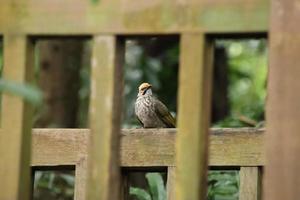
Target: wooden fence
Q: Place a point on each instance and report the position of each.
(142, 149)
(106, 23)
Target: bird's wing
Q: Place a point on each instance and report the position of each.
(135, 111)
(140, 121)
(163, 113)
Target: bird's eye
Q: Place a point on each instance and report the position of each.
(144, 91)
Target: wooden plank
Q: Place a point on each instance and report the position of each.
(194, 115)
(15, 140)
(79, 17)
(249, 183)
(282, 177)
(105, 114)
(54, 147)
(237, 147)
(58, 146)
(171, 183)
(148, 147)
(80, 179)
(228, 147)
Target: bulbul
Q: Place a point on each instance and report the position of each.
(151, 112)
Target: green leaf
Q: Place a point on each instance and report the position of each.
(139, 193)
(157, 187)
(69, 178)
(28, 92)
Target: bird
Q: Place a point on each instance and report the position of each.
(150, 111)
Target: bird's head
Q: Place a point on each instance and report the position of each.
(145, 88)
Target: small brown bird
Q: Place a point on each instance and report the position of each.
(150, 111)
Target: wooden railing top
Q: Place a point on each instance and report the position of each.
(148, 147)
(80, 17)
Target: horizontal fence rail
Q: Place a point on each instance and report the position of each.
(148, 147)
(126, 16)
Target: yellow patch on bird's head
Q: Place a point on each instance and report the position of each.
(144, 86)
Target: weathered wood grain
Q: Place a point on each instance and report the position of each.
(282, 176)
(148, 147)
(80, 179)
(250, 183)
(59, 146)
(193, 117)
(15, 139)
(63, 147)
(228, 147)
(79, 17)
(105, 109)
(237, 147)
(171, 183)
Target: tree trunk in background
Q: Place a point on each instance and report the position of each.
(220, 100)
(60, 62)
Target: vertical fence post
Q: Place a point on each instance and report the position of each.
(80, 179)
(171, 183)
(282, 175)
(249, 183)
(105, 112)
(194, 116)
(15, 138)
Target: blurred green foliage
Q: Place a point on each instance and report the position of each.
(50, 185)
(145, 61)
(29, 92)
(84, 95)
(247, 62)
(223, 185)
(156, 189)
